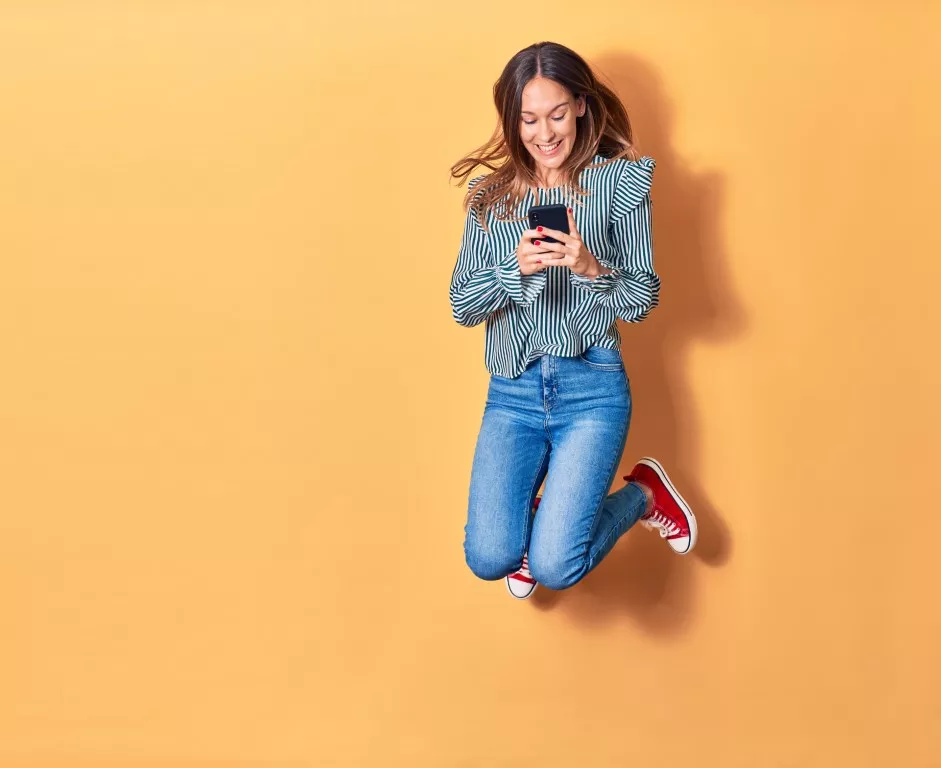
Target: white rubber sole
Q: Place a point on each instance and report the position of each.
(687, 512)
(518, 597)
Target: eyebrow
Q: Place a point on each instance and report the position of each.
(560, 104)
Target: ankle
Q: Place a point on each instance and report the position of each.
(648, 497)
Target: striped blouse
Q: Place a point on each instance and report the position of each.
(557, 311)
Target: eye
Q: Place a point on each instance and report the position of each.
(533, 122)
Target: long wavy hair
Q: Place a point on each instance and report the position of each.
(604, 129)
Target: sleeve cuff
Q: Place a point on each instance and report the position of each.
(602, 284)
(523, 289)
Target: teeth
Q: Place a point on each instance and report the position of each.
(548, 147)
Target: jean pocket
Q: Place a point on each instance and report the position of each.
(602, 358)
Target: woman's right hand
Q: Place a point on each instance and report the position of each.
(529, 254)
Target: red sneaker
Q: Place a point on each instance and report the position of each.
(522, 584)
(669, 514)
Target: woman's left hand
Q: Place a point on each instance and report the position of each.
(570, 251)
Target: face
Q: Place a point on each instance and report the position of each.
(547, 124)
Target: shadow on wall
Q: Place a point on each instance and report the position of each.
(641, 576)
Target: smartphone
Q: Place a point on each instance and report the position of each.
(554, 216)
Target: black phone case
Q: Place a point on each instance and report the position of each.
(554, 216)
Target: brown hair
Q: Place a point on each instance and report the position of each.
(604, 129)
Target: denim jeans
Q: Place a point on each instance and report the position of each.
(563, 420)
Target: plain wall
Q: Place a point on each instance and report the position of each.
(237, 419)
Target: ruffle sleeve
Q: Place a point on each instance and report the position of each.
(632, 288)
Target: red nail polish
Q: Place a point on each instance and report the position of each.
(539, 229)
(539, 261)
(570, 210)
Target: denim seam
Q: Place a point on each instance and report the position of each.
(605, 493)
(529, 511)
(602, 545)
(602, 366)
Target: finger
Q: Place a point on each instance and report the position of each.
(550, 232)
(533, 249)
(573, 230)
(529, 249)
(535, 253)
(552, 258)
(543, 245)
(548, 245)
(529, 234)
(557, 234)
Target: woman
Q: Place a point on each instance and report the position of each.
(559, 404)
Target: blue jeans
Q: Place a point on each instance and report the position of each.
(563, 420)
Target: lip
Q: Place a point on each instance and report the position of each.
(552, 153)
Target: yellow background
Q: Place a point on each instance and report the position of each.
(237, 419)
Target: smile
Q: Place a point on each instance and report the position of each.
(549, 149)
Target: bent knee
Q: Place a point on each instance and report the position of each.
(556, 572)
(490, 565)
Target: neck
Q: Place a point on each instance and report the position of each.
(548, 178)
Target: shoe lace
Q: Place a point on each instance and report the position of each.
(660, 523)
(524, 569)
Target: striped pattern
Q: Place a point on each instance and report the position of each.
(523, 574)
(557, 311)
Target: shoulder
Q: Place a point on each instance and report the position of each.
(624, 172)
(474, 192)
(476, 189)
(628, 182)
(475, 181)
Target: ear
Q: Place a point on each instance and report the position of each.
(580, 105)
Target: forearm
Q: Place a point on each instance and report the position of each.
(631, 293)
(478, 293)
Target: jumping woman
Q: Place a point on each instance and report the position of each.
(559, 402)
